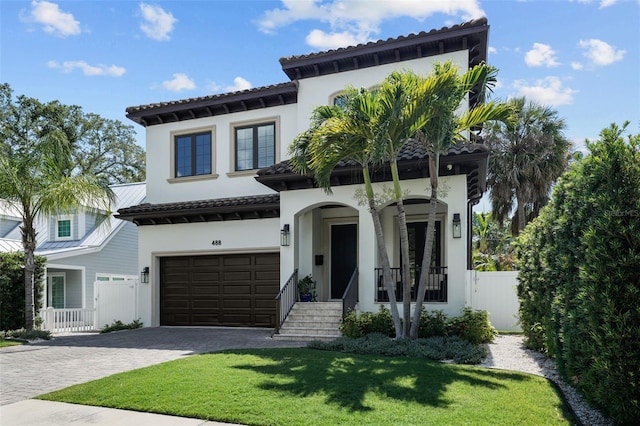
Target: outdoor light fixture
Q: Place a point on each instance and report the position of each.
(284, 235)
(144, 275)
(457, 226)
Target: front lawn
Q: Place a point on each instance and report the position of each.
(4, 343)
(305, 386)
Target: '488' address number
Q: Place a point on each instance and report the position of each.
(216, 243)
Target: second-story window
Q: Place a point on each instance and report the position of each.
(63, 228)
(193, 154)
(255, 146)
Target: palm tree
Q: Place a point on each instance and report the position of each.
(527, 156)
(441, 93)
(36, 163)
(346, 132)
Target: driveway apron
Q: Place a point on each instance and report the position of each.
(30, 370)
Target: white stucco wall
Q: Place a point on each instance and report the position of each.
(309, 231)
(258, 235)
(159, 141)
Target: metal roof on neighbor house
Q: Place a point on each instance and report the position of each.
(7, 245)
(125, 195)
(472, 35)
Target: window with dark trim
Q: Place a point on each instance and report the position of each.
(255, 146)
(193, 154)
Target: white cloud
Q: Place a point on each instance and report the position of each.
(607, 3)
(541, 55)
(577, 65)
(157, 23)
(548, 91)
(355, 22)
(89, 70)
(53, 20)
(492, 49)
(603, 3)
(321, 40)
(600, 52)
(179, 83)
(239, 84)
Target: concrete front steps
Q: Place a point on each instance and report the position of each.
(309, 321)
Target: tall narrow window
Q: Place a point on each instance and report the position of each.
(56, 291)
(193, 154)
(255, 146)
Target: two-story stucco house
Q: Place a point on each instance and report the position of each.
(227, 222)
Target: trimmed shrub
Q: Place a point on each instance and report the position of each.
(26, 335)
(119, 325)
(432, 324)
(12, 289)
(354, 325)
(472, 326)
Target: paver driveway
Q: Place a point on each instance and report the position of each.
(30, 370)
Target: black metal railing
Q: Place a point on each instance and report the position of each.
(436, 284)
(285, 299)
(350, 296)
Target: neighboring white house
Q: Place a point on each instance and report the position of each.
(227, 222)
(80, 248)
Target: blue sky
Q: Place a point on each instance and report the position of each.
(580, 57)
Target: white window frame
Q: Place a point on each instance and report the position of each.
(114, 277)
(57, 236)
(49, 295)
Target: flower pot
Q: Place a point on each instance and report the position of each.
(306, 297)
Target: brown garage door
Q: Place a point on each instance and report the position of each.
(232, 290)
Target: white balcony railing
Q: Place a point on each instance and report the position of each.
(68, 320)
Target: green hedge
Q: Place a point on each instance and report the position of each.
(579, 276)
(12, 289)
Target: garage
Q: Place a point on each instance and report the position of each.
(219, 290)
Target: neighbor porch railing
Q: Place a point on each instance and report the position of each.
(68, 320)
(436, 284)
(350, 296)
(286, 298)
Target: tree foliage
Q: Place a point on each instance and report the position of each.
(37, 143)
(528, 154)
(580, 275)
(492, 249)
(12, 302)
(372, 125)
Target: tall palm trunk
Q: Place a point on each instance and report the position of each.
(426, 258)
(29, 244)
(382, 250)
(404, 250)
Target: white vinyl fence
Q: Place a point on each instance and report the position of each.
(115, 300)
(68, 320)
(495, 292)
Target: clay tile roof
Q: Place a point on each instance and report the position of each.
(470, 35)
(207, 106)
(212, 210)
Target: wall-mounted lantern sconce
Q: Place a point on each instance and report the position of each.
(457, 226)
(144, 275)
(284, 235)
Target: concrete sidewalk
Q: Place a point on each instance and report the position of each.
(33, 412)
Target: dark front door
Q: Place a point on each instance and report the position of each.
(344, 257)
(417, 239)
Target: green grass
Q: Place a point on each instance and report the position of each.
(304, 386)
(4, 343)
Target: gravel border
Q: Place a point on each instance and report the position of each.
(507, 352)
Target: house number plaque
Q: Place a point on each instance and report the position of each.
(216, 243)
